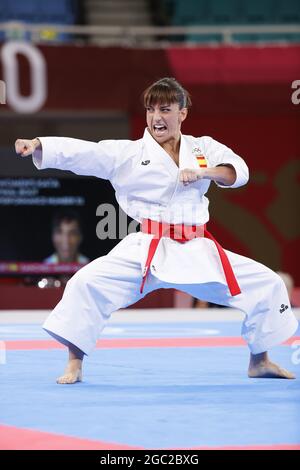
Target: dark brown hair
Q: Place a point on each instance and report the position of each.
(166, 91)
(65, 216)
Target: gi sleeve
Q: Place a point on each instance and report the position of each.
(218, 154)
(80, 156)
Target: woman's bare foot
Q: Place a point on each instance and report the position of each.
(260, 366)
(73, 372)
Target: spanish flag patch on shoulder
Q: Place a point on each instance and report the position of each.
(201, 161)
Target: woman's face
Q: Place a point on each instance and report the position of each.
(164, 121)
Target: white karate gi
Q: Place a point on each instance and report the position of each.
(146, 181)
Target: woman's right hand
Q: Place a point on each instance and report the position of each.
(25, 147)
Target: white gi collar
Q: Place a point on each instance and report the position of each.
(156, 150)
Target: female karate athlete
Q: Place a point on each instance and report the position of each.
(161, 180)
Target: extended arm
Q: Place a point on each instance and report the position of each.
(79, 156)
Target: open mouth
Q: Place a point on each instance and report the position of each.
(159, 129)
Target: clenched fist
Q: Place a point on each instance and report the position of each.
(25, 147)
(190, 175)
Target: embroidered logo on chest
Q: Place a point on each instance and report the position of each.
(201, 160)
(145, 162)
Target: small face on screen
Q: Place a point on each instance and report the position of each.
(66, 239)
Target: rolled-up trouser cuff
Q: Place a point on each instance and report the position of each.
(67, 340)
(276, 338)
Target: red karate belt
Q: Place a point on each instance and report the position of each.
(182, 234)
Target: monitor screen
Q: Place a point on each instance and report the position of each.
(52, 221)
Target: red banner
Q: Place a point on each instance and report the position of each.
(94, 78)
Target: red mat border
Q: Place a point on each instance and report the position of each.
(15, 438)
(221, 341)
